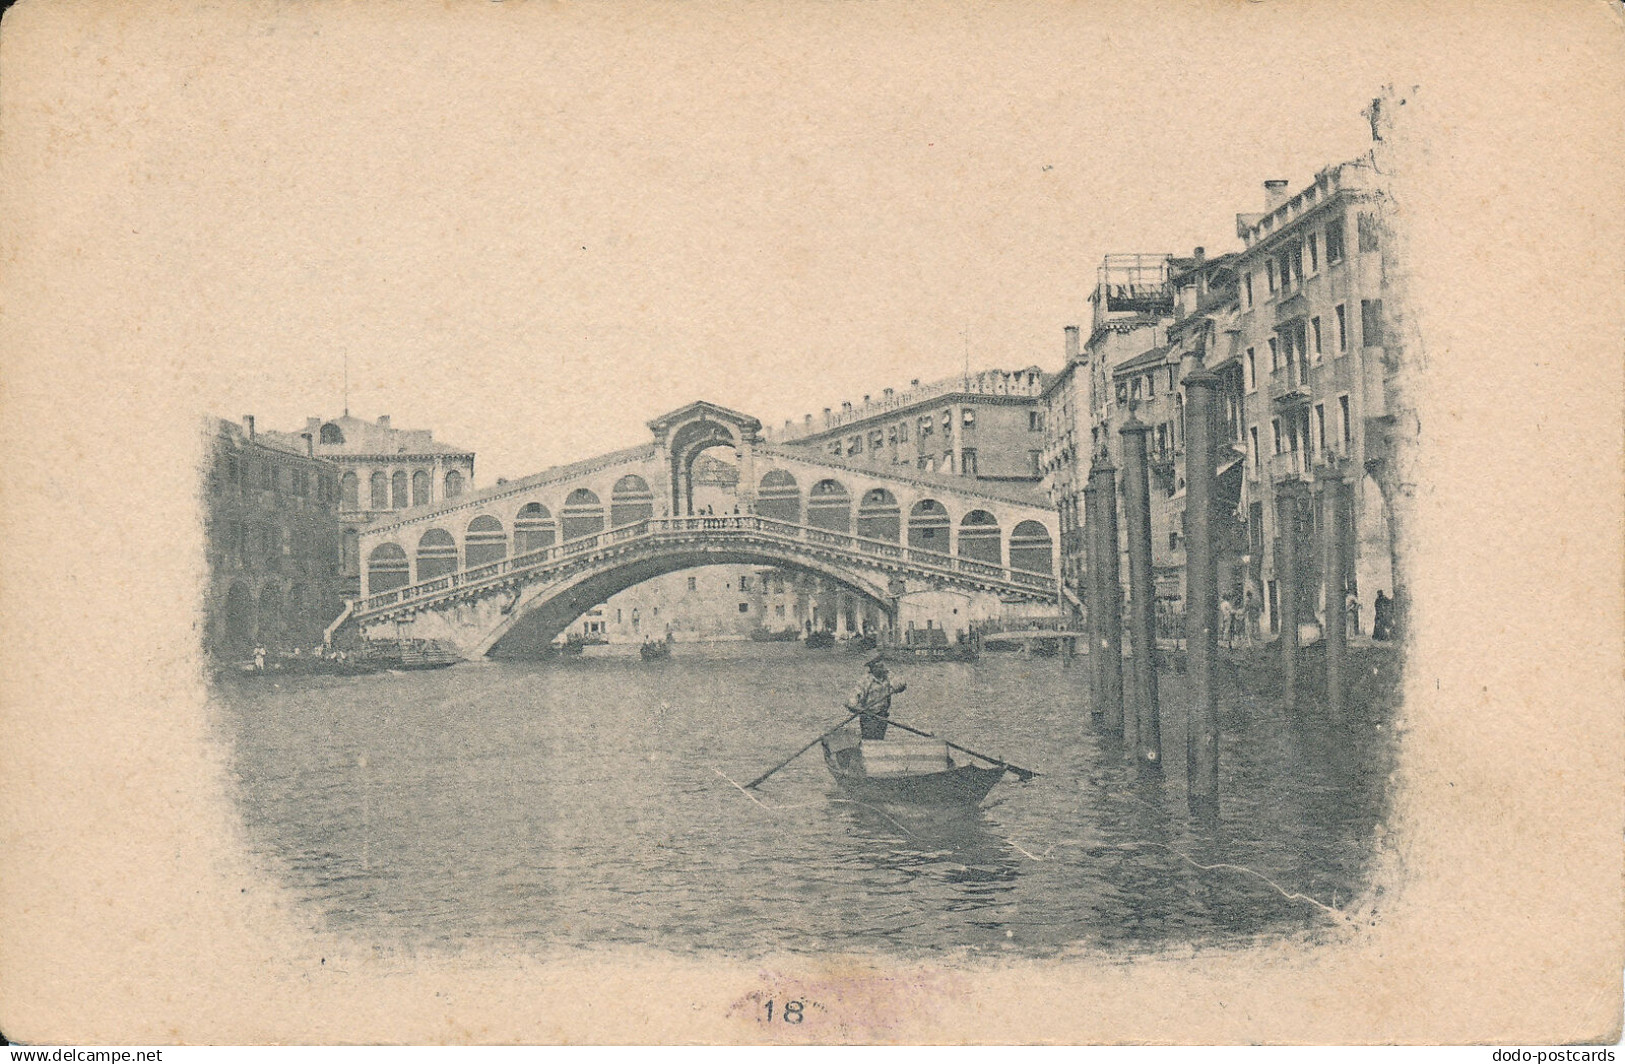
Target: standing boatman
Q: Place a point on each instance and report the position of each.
(873, 697)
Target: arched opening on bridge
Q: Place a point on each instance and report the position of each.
(350, 492)
(485, 542)
(238, 634)
(979, 537)
(533, 529)
(687, 444)
(387, 568)
(829, 506)
(583, 514)
(454, 484)
(630, 501)
(421, 494)
(879, 516)
(779, 497)
(380, 492)
(437, 554)
(1030, 548)
(928, 526)
(397, 491)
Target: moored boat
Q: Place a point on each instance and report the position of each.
(652, 651)
(918, 772)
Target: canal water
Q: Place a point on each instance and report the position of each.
(594, 800)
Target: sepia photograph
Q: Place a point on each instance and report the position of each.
(812, 523)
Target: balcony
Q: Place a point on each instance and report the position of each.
(1288, 393)
(1286, 465)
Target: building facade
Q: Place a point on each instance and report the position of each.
(988, 427)
(1317, 352)
(272, 532)
(382, 470)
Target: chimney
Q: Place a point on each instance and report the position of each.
(887, 393)
(248, 425)
(1071, 344)
(866, 400)
(310, 444)
(807, 419)
(915, 383)
(1201, 255)
(383, 421)
(1274, 194)
(826, 415)
(846, 407)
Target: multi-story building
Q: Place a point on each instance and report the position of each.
(1317, 354)
(988, 426)
(1066, 457)
(272, 530)
(382, 469)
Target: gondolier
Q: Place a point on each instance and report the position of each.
(873, 698)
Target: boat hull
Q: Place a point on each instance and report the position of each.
(957, 787)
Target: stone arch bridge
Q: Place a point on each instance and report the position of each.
(534, 554)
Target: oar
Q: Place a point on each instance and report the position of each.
(816, 739)
(1024, 774)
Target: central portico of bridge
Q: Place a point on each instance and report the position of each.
(543, 550)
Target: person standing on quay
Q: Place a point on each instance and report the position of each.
(873, 698)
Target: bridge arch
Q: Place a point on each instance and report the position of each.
(879, 516)
(437, 554)
(486, 541)
(387, 568)
(630, 501)
(1031, 548)
(533, 528)
(928, 526)
(687, 442)
(583, 514)
(545, 610)
(779, 497)
(829, 506)
(980, 538)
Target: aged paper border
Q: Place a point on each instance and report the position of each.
(128, 913)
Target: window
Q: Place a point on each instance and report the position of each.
(420, 488)
(1314, 325)
(1343, 416)
(1035, 421)
(854, 445)
(1150, 385)
(778, 611)
(1366, 229)
(835, 448)
(1371, 323)
(1122, 392)
(332, 434)
(1314, 253)
(1035, 461)
(617, 616)
(1247, 288)
(454, 484)
(1258, 457)
(968, 462)
(1173, 541)
(692, 582)
(380, 491)
(947, 461)
(744, 607)
(947, 422)
(1269, 274)
(891, 435)
(744, 583)
(1320, 425)
(1334, 242)
(925, 426)
(968, 418)
(1134, 389)
(923, 463)
(902, 432)
(1275, 426)
(398, 490)
(874, 440)
(1275, 354)
(1342, 329)
(1252, 369)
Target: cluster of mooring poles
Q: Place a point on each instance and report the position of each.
(1137, 719)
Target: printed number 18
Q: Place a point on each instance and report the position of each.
(792, 1012)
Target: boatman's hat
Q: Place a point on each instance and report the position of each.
(876, 660)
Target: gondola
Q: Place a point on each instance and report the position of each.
(917, 772)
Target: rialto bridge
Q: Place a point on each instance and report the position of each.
(541, 551)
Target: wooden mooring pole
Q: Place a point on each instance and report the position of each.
(1201, 593)
(1091, 602)
(1103, 478)
(1142, 594)
(1334, 526)
(1288, 580)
